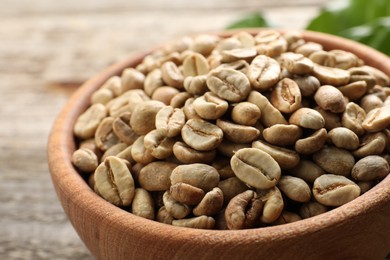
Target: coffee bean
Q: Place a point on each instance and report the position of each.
(334, 190)
(372, 167)
(87, 123)
(229, 84)
(255, 168)
(201, 135)
(263, 72)
(334, 160)
(114, 181)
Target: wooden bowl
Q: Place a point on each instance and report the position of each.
(359, 229)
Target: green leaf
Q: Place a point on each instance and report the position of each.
(251, 20)
(375, 34)
(365, 21)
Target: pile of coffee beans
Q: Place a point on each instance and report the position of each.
(237, 132)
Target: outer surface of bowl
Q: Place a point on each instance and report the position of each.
(357, 230)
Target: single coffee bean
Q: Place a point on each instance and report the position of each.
(243, 210)
(312, 143)
(246, 39)
(160, 146)
(122, 129)
(342, 137)
(172, 75)
(170, 121)
(286, 158)
(210, 106)
(142, 204)
(186, 154)
(176, 209)
(331, 76)
(186, 193)
(245, 113)
(307, 171)
(370, 168)
(273, 204)
(308, 85)
(282, 135)
(246, 54)
(102, 96)
(263, 72)
(377, 119)
(85, 160)
(238, 133)
(132, 79)
(307, 118)
(143, 117)
(202, 222)
(196, 85)
(179, 99)
(270, 115)
(353, 118)
(87, 123)
(201, 135)
(335, 160)
(354, 90)
(114, 181)
(199, 175)
(330, 98)
(204, 43)
(155, 176)
(371, 144)
(229, 84)
(231, 187)
(286, 96)
(211, 203)
(294, 188)
(153, 81)
(105, 136)
(311, 209)
(296, 63)
(334, 190)
(255, 168)
(195, 64)
(165, 94)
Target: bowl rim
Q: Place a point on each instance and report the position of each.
(71, 186)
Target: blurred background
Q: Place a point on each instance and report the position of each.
(47, 49)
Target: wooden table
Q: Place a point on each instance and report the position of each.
(47, 49)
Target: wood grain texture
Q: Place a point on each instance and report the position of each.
(47, 49)
(357, 230)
